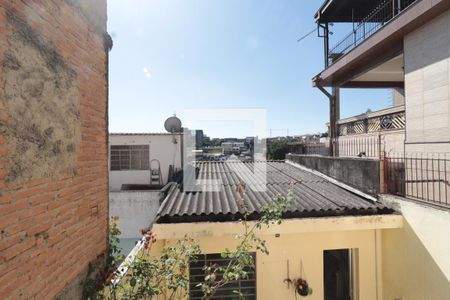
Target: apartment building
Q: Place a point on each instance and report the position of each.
(53, 146)
(403, 45)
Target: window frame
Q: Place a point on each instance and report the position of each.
(129, 157)
(204, 259)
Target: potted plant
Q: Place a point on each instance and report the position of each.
(302, 287)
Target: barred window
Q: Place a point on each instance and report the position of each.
(129, 157)
(246, 286)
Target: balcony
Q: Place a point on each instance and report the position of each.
(374, 122)
(371, 54)
(384, 12)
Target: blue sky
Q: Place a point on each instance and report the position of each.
(172, 55)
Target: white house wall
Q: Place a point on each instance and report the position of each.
(161, 148)
(135, 209)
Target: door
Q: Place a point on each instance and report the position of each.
(337, 274)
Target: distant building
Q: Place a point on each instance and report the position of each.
(139, 169)
(233, 147)
(143, 158)
(199, 138)
(227, 147)
(249, 139)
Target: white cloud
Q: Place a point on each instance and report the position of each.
(147, 72)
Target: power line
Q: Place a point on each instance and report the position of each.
(306, 35)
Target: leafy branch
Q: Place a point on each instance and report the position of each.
(167, 273)
(241, 259)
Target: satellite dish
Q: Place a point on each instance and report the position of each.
(173, 124)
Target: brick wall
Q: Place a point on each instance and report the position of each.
(53, 145)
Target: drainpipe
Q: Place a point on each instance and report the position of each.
(334, 99)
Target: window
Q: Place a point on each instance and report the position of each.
(197, 274)
(337, 274)
(129, 157)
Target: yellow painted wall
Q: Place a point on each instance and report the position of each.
(416, 258)
(308, 248)
(300, 240)
(408, 269)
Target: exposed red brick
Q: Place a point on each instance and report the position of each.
(49, 233)
(5, 198)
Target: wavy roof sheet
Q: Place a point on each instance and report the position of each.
(314, 195)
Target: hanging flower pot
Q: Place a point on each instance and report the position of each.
(302, 287)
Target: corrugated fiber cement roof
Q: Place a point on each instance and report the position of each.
(314, 196)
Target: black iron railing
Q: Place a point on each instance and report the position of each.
(421, 177)
(385, 11)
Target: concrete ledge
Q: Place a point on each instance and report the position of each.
(289, 226)
(360, 173)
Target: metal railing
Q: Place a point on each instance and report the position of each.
(365, 146)
(392, 121)
(421, 177)
(385, 11)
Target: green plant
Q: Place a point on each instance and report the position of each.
(97, 279)
(166, 274)
(241, 260)
(148, 277)
(277, 149)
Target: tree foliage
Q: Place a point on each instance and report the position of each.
(166, 273)
(277, 150)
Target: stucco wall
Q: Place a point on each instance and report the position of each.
(427, 86)
(161, 148)
(416, 260)
(135, 209)
(307, 249)
(361, 173)
(300, 241)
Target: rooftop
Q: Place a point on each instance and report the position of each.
(144, 133)
(315, 196)
(344, 10)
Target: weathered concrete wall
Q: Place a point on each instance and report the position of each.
(53, 145)
(135, 209)
(416, 261)
(427, 87)
(360, 173)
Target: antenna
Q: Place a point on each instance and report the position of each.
(173, 124)
(306, 35)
